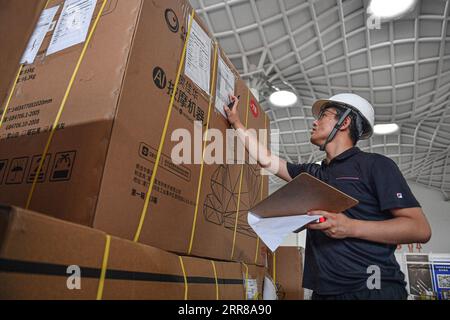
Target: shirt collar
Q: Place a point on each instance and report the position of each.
(344, 155)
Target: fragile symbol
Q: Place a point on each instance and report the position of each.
(159, 78)
(35, 166)
(63, 166)
(172, 20)
(3, 165)
(17, 171)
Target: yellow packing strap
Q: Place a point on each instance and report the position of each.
(63, 103)
(257, 249)
(200, 180)
(46, 4)
(262, 190)
(240, 182)
(101, 283)
(274, 267)
(246, 280)
(163, 136)
(13, 89)
(185, 278)
(215, 278)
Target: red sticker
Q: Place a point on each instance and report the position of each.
(254, 108)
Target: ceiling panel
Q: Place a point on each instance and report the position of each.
(319, 48)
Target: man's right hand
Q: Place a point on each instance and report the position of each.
(233, 114)
(264, 157)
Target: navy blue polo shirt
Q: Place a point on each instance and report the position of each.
(334, 266)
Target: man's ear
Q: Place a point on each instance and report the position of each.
(346, 124)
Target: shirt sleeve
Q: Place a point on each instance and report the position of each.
(391, 188)
(295, 169)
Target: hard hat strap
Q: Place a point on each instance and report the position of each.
(336, 128)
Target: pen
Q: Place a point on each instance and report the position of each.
(231, 105)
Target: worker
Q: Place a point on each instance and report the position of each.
(346, 253)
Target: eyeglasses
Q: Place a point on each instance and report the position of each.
(323, 112)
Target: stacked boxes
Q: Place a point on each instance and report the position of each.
(94, 111)
(286, 269)
(116, 121)
(45, 258)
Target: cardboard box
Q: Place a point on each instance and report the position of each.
(286, 269)
(254, 281)
(15, 36)
(101, 154)
(40, 257)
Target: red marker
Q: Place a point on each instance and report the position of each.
(322, 220)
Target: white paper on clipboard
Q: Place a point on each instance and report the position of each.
(274, 231)
(198, 57)
(225, 86)
(73, 25)
(285, 211)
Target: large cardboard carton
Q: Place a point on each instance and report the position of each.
(286, 269)
(102, 113)
(14, 36)
(254, 281)
(229, 192)
(46, 258)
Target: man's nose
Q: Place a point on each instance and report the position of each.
(316, 123)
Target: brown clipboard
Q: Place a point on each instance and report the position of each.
(303, 194)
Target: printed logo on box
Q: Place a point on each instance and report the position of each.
(254, 108)
(159, 78)
(172, 21)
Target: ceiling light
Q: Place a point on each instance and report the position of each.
(283, 98)
(390, 9)
(384, 129)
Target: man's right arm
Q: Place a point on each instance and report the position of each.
(256, 149)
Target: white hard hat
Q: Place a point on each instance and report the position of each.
(354, 102)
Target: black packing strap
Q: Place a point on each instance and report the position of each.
(50, 269)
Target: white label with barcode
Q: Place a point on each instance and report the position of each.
(38, 36)
(225, 86)
(252, 289)
(73, 25)
(198, 57)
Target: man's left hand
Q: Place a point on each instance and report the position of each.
(336, 226)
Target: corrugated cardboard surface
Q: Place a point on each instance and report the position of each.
(101, 159)
(36, 251)
(78, 150)
(14, 36)
(286, 268)
(256, 275)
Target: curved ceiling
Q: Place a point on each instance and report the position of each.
(319, 48)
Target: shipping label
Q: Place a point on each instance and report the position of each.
(73, 25)
(43, 26)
